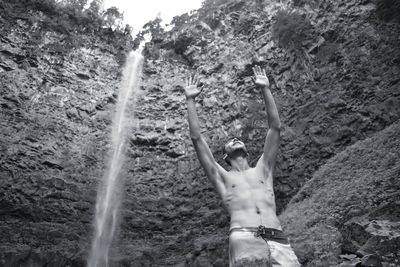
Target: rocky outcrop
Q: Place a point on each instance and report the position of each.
(373, 239)
(335, 88)
(350, 208)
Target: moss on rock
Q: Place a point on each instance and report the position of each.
(362, 178)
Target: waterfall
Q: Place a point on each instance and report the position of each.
(108, 200)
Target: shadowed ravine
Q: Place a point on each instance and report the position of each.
(108, 198)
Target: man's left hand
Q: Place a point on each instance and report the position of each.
(260, 77)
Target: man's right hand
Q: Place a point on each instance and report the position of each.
(191, 89)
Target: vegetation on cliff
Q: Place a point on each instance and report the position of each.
(351, 206)
(335, 80)
(78, 24)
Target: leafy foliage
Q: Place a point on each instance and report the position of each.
(211, 4)
(71, 19)
(64, 16)
(113, 18)
(212, 11)
(78, 4)
(154, 30)
(181, 20)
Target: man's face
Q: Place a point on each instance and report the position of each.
(234, 145)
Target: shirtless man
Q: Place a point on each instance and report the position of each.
(255, 237)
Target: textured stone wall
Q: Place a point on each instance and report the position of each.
(55, 117)
(56, 114)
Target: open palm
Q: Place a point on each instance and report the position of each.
(191, 89)
(260, 77)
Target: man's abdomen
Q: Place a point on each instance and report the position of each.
(251, 208)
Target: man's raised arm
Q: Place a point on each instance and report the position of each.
(204, 154)
(272, 140)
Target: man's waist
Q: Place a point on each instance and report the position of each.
(268, 234)
(249, 221)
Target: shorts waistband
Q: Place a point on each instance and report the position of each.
(270, 234)
(255, 229)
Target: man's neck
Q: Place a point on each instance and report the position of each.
(239, 164)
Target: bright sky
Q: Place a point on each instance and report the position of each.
(138, 12)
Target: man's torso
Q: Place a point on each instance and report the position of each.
(250, 199)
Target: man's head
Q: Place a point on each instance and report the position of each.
(234, 148)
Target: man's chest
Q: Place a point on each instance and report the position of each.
(247, 189)
(251, 179)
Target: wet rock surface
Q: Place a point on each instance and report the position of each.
(336, 87)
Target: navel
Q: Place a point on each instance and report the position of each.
(233, 186)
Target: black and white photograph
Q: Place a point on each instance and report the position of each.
(200, 133)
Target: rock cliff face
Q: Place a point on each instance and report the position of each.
(335, 80)
(56, 108)
(351, 206)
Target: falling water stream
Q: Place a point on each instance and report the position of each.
(108, 200)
